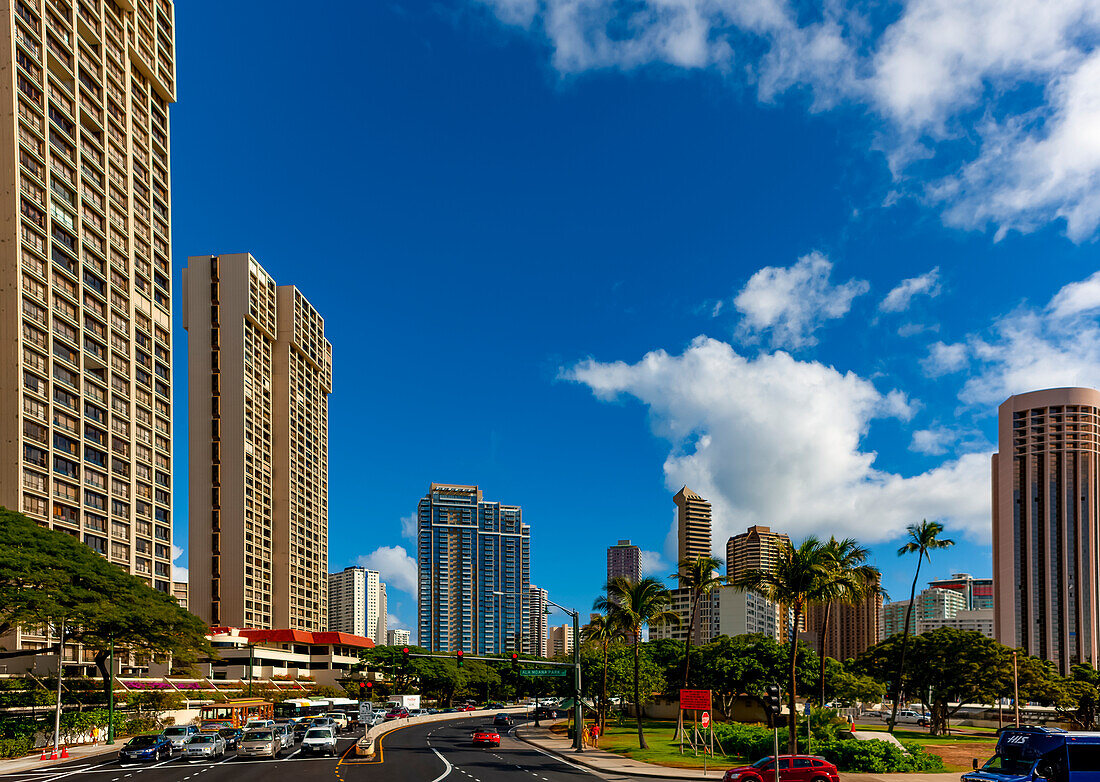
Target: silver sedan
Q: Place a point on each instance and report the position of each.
(204, 745)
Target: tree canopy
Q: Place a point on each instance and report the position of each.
(49, 577)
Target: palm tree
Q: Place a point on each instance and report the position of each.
(801, 577)
(699, 576)
(923, 538)
(637, 604)
(603, 629)
(856, 581)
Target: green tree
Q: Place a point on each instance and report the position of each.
(855, 582)
(923, 538)
(49, 577)
(746, 664)
(801, 577)
(603, 630)
(638, 604)
(849, 688)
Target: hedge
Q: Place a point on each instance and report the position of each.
(851, 755)
(15, 748)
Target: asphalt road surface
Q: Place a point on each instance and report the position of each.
(430, 752)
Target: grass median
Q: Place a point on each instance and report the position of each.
(622, 739)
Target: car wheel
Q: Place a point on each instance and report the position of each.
(817, 779)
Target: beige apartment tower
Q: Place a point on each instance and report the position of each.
(85, 276)
(758, 548)
(259, 376)
(1046, 526)
(852, 629)
(692, 524)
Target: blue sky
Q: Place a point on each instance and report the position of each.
(582, 254)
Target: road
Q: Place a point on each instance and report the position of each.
(430, 752)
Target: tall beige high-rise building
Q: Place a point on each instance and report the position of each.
(537, 628)
(758, 548)
(852, 629)
(1046, 525)
(692, 524)
(259, 376)
(85, 276)
(559, 640)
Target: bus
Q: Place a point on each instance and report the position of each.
(1034, 754)
(345, 706)
(296, 708)
(237, 713)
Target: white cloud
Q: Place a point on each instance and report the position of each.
(944, 359)
(777, 441)
(933, 441)
(653, 564)
(394, 566)
(899, 299)
(179, 573)
(987, 108)
(1076, 298)
(792, 303)
(409, 526)
(393, 622)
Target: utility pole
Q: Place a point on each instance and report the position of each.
(251, 663)
(1016, 687)
(60, 670)
(111, 694)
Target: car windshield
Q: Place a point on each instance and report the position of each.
(175, 731)
(763, 763)
(259, 735)
(142, 741)
(1006, 765)
(318, 733)
(227, 732)
(200, 739)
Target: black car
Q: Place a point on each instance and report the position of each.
(152, 746)
(301, 726)
(231, 736)
(502, 720)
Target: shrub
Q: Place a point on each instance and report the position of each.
(879, 757)
(14, 748)
(750, 741)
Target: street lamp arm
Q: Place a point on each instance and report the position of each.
(568, 611)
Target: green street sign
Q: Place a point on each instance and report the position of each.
(558, 673)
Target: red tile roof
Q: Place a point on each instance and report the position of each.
(297, 637)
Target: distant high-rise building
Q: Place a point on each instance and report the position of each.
(893, 618)
(758, 548)
(474, 564)
(381, 620)
(398, 637)
(852, 629)
(259, 376)
(692, 524)
(86, 280)
(536, 632)
(978, 591)
(1046, 525)
(624, 561)
(560, 640)
(937, 604)
(737, 612)
(347, 601)
(179, 591)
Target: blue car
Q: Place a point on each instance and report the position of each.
(153, 746)
(1033, 754)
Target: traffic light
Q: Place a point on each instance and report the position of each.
(515, 662)
(458, 654)
(771, 702)
(362, 690)
(405, 657)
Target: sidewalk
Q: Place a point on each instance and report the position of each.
(616, 765)
(84, 752)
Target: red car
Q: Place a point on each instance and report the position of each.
(468, 708)
(792, 768)
(485, 737)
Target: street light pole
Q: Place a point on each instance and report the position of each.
(251, 665)
(578, 708)
(111, 695)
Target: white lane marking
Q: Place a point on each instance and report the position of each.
(446, 766)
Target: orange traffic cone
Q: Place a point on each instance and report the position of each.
(53, 755)
(64, 752)
(45, 754)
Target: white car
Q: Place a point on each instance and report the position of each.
(319, 741)
(907, 717)
(339, 718)
(204, 745)
(285, 734)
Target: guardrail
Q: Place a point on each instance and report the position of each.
(365, 747)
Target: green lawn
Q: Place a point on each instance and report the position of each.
(921, 736)
(623, 740)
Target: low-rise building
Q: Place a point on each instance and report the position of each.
(980, 621)
(326, 657)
